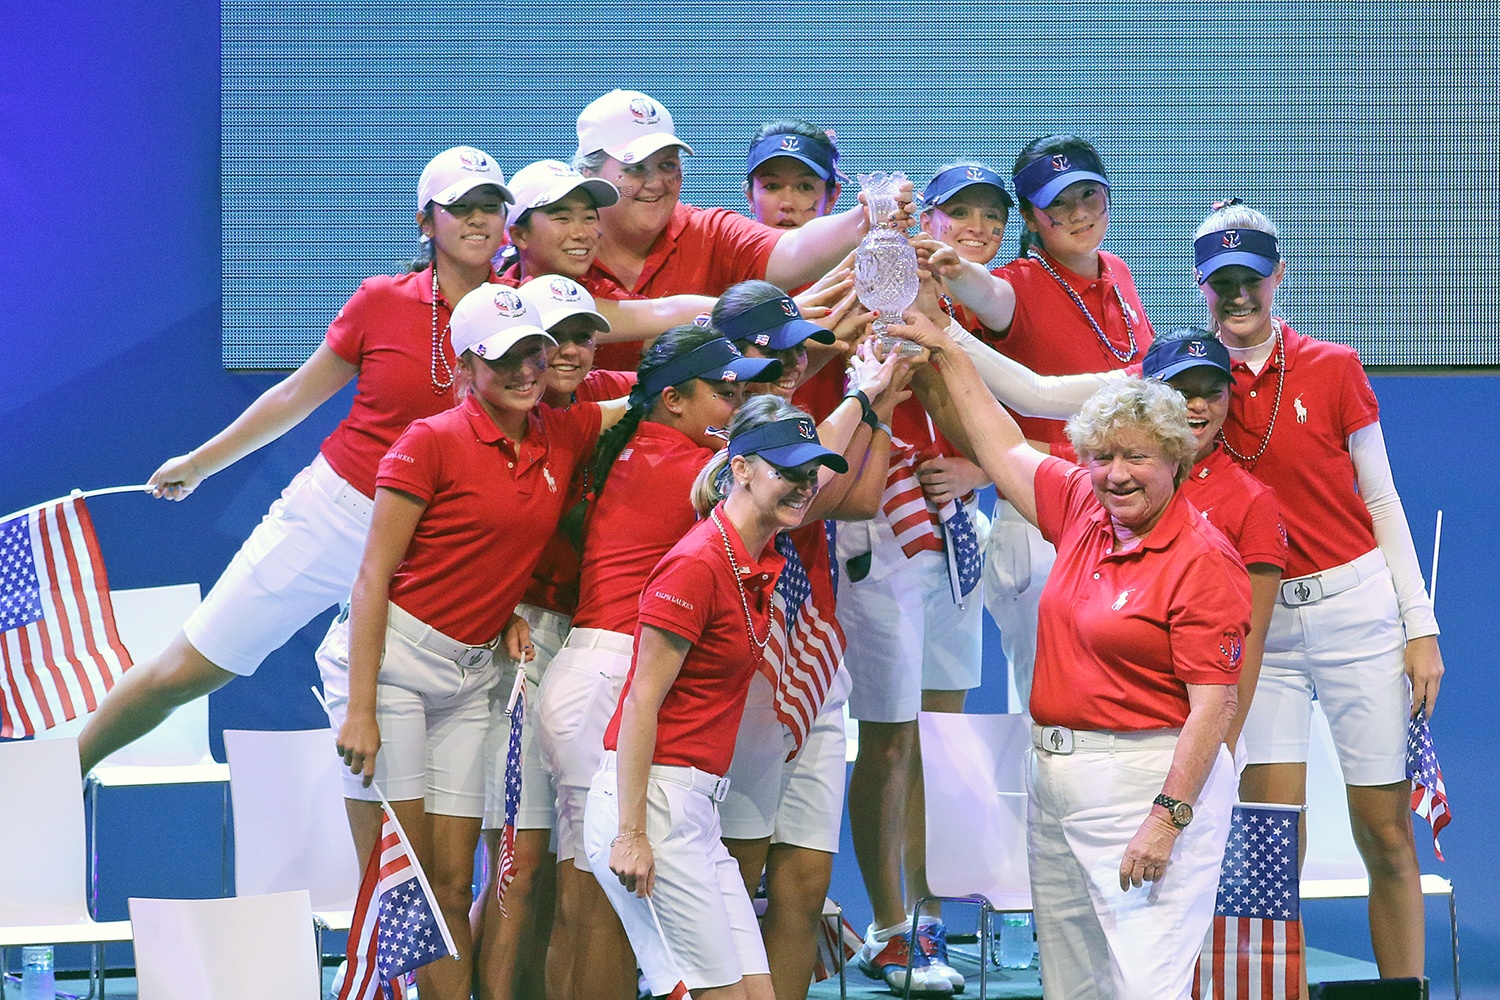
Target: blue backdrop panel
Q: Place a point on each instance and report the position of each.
(1343, 128)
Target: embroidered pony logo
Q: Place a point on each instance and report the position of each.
(1301, 410)
(1120, 601)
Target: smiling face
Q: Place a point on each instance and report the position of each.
(971, 222)
(793, 368)
(1133, 480)
(705, 404)
(466, 234)
(1206, 391)
(512, 384)
(649, 191)
(1240, 301)
(569, 363)
(786, 193)
(559, 238)
(1075, 223)
(781, 495)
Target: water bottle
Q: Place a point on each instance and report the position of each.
(1015, 946)
(37, 982)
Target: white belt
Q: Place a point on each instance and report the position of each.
(712, 785)
(1062, 740)
(420, 634)
(344, 495)
(1311, 589)
(598, 638)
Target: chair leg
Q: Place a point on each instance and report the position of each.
(839, 930)
(986, 915)
(1453, 937)
(224, 853)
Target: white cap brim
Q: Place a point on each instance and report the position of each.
(602, 191)
(552, 317)
(458, 189)
(493, 347)
(637, 150)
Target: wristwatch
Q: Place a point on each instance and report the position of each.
(1181, 813)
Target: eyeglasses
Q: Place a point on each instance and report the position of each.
(464, 209)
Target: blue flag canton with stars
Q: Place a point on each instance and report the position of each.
(1421, 755)
(409, 934)
(513, 762)
(20, 591)
(1259, 875)
(965, 544)
(793, 584)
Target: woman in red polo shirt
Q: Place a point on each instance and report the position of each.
(1352, 619)
(1063, 306)
(482, 484)
(652, 830)
(1141, 632)
(301, 559)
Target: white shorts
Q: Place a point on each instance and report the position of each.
(798, 802)
(298, 562)
(1083, 809)
(1350, 648)
(1017, 562)
(711, 937)
(433, 714)
(905, 635)
(538, 808)
(578, 697)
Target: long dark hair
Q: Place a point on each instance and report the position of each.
(1047, 145)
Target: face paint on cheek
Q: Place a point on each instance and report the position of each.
(997, 233)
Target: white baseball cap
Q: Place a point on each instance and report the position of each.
(491, 318)
(455, 172)
(557, 298)
(547, 181)
(627, 125)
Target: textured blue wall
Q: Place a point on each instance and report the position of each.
(110, 327)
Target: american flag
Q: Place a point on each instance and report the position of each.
(1254, 951)
(505, 867)
(397, 925)
(963, 550)
(58, 644)
(921, 526)
(806, 646)
(1429, 798)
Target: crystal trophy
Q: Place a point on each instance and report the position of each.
(885, 265)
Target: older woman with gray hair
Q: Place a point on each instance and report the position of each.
(1141, 629)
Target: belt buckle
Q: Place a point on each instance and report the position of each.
(1308, 590)
(1057, 739)
(721, 790)
(474, 656)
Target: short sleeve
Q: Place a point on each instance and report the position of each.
(1358, 405)
(414, 463)
(1063, 495)
(346, 334)
(601, 384)
(1208, 619)
(740, 248)
(574, 430)
(679, 595)
(1263, 535)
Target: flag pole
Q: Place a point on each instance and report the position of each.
(78, 495)
(1437, 544)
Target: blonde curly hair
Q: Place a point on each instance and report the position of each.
(1135, 404)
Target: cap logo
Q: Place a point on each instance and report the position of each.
(727, 375)
(508, 303)
(1196, 349)
(473, 159)
(1061, 163)
(629, 156)
(806, 429)
(564, 290)
(1231, 239)
(643, 112)
(791, 143)
(702, 319)
(480, 350)
(789, 307)
(974, 173)
(761, 339)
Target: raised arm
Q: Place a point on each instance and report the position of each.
(1055, 397)
(647, 319)
(280, 408)
(991, 298)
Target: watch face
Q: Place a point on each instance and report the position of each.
(1182, 814)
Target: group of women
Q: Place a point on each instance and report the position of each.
(595, 441)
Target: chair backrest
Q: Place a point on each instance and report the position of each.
(240, 948)
(148, 618)
(42, 846)
(290, 827)
(973, 769)
(1330, 840)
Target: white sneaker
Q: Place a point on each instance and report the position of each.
(932, 938)
(884, 956)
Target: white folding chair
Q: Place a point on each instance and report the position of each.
(290, 827)
(241, 948)
(1333, 868)
(174, 753)
(973, 769)
(42, 846)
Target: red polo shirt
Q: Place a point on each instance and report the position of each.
(1240, 506)
(1121, 635)
(693, 594)
(1325, 398)
(385, 329)
(492, 503)
(554, 582)
(1049, 334)
(644, 509)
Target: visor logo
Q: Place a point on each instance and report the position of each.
(728, 375)
(806, 429)
(643, 112)
(1196, 349)
(1231, 239)
(789, 307)
(975, 173)
(791, 143)
(762, 339)
(1061, 163)
(509, 304)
